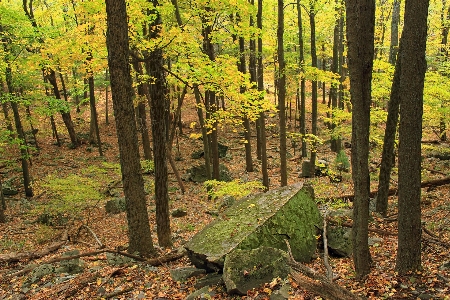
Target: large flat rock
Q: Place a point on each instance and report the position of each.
(264, 219)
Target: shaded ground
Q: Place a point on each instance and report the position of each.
(139, 281)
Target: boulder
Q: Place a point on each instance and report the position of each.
(183, 273)
(115, 206)
(71, 266)
(198, 174)
(339, 241)
(264, 219)
(245, 270)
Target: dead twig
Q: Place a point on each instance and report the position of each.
(316, 283)
(101, 246)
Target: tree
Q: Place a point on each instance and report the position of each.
(393, 48)
(282, 92)
(312, 23)
(360, 39)
(302, 88)
(139, 236)
(159, 112)
(412, 76)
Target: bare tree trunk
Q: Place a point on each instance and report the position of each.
(261, 119)
(360, 38)
(412, 78)
(302, 80)
(139, 236)
(312, 22)
(282, 92)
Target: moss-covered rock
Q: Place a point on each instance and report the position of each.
(245, 270)
(264, 219)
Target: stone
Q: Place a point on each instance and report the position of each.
(183, 273)
(198, 174)
(245, 270)
(115, 206)
(306, 169)
(227, 201)
(208, 280)
(71, 266)
(339, 241)
(114, 259)
(201, 294)
(281, 294)
(9, 191)
(41, 271)
(179, 213)
(264, 219)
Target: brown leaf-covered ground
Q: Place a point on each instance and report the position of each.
(140, 281)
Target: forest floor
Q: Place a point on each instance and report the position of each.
(22, 234)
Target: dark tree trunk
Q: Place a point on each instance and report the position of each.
(335, 141)
(159, 112)
(94, 133)
(412, 77)
(20, 134)
(282, 92)
(312, 22)
(387, 156)
(395, 21)
(142, 115)
(51, 77)
(360, 38)
(2, 204)
(245, 120)
(139, 236)
(444, 53)
(302, 91)
(107, 99)
(262, 117)
(201, 120)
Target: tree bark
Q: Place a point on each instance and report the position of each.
(412, 77)
(262, 117)
(139, 236)
(302, 80)
(159, 111)
(395, 21)
(312, 22)
(360, 37)
(387, 156)
(282, 92)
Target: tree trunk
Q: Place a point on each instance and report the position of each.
(360, 37)
(20, 134)
(395, 21)
(2, 204)
(412, 77)
(302, 80)
(94, 133)
(335, 141)
(51, 77)
(139, 236)
(206, 146)
(107, 98)
(142, 115)
(262, 117)
(282, 92)
(444, 53)
(312, 22)
(387, 156)
(159, 112)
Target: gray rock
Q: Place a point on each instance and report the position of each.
(201, 294)
(181, 274)
(425, 296)
(115, 206)
(117, 259)
(281, 294)
(264, 219)
(209, 280)
(9, 191)
(248, 269)
(339, 241)
(41, 271)
(198, 174)
(306, 169)
(227, 201)
(445, 266)
(71, 266)
(179, 213)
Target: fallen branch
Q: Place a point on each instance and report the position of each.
(92, 233)
(118, 293)
(316, 283)
(151, 261)
(325, 248)
(14, 257)
(393, 191)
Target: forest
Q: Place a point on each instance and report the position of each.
(128, 125)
